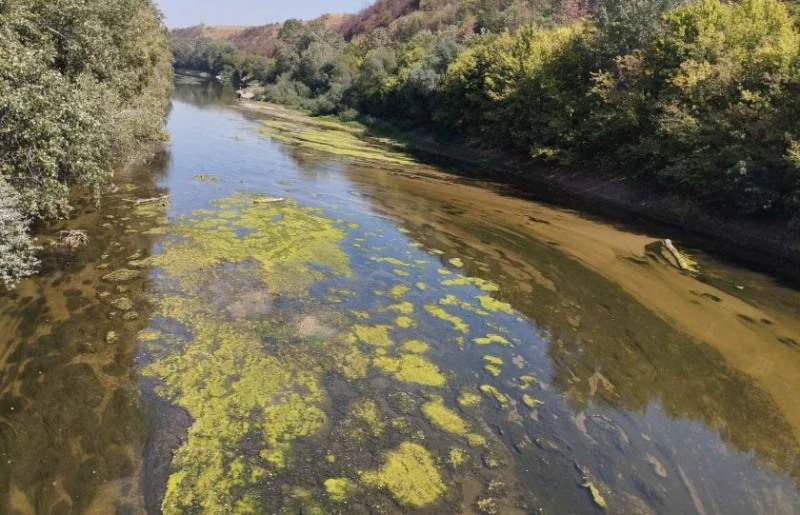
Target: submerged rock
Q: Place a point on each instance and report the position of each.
(130, 315)
(123, 304)
(112, 337)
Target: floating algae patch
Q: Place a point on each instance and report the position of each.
(390, 260)
(248, 402)
(457, 262)
(283, 238)
(463, 280)
(411, 368)
(443, 417)
(410, 475)
(375, 335)
(336, 140)
(494, 305)
(232, 389)
(493, 364)
(399, 290)
(469, 399)
(438, 312)
(405, 308)
(415, 347)
(530, 401)
(340, 489)
(489, 339)
(499, 396)
(404, 322)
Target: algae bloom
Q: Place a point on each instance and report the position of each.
(410, 475)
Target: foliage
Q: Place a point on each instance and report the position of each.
(697, 99)
(82, 84)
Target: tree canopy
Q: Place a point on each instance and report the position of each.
(82, 84)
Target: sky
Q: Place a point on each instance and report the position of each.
(183, 13)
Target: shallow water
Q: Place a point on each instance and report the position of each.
(317, 323)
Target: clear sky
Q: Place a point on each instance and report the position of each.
(182, 13)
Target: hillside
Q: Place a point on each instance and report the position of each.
(258, 40)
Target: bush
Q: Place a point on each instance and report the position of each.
(82, 84)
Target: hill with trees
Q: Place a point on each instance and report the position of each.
(83, 83)
(693, 99)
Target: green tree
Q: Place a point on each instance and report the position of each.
(82, 84)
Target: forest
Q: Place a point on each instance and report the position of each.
(83, 84)
(694, 99)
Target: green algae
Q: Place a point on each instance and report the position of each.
(496, 394)
(489, 339)
(415, 347)
(457, 457)
(218, 369)
(376, 335)
(443, 417)
(450, 300)
(405, 307)
(492, 359)
(441, 314)
(363, 315)
(476, 440)
(493, 364)
(597, 497)
(410, 475)
(444, 271)
(457, 262)
(404, 322)
(526, 381)
(340, 489)
(463, 280)
(334, 140)
(422, 286)
(494, 305)
(122, 275)
(399, 290)
(148, 335)
(223, 395)
(468, 399)
(401, 273)
(493, 370)
(411, 368)
(367, 412)
(530, 401)
(391, 261)
(284, 238)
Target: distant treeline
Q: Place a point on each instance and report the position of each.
(82, 84)
(700, 100)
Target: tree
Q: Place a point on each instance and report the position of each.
(82, 84)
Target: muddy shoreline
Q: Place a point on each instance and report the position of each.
(769, 247)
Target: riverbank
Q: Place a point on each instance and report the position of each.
(767, 246)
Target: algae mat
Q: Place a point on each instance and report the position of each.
(263, 320)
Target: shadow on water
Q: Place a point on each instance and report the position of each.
(71, 423)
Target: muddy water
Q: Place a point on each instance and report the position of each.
(315, 322)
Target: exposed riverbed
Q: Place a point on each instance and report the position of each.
(316, 322)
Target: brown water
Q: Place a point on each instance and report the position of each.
(385, 339)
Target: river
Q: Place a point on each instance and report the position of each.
(315, 321)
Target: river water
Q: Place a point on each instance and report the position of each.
(316, 322)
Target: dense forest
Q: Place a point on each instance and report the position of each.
(83, 83)
(697, 99)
